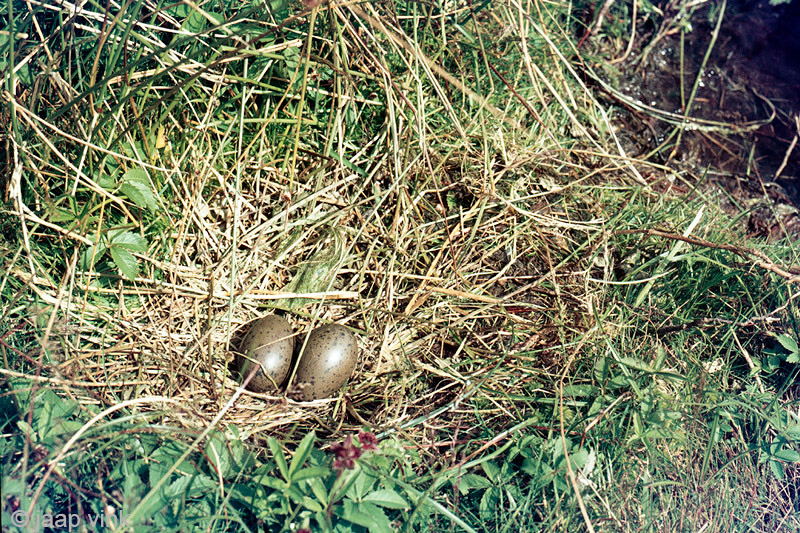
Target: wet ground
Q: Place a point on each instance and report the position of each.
(744, 122)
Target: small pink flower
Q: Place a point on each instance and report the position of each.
(368, 440)
(346, 454)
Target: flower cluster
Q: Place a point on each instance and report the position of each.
(346, 452)
(368, 440)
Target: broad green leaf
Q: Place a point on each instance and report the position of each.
(473, 481)
(23, 73)
(60, 407)
(295, 494)
(91, 255)
(601, 368)
(157, 469)
(662, 357)
(277, 454)
(488, 502)
(61, 215)
(136, 186)
(319, 490)
(312, 505)
(789, 343)
(136, 175)
(536, 468)
(366, 515)
(361, 487)
(279, 8)
(777, 469)
(61, 427)
(155, 503)
(137, 194)
(309, 473)
(218, 453)
(301, 453)
(194, 23)
(788, 455)
(598, 405)
(105, 175)
(386, 498)
(272, 482)
(28, 431)
(620, 381)
(246, 492)
(492, 471)
(190, 486)
(129, 241)
(243, 459)
(771, 362)
(579, 458)
(167, 453)
(179, 10)
(579, 390)
(636, 364)
(125, 261)
(345, 481)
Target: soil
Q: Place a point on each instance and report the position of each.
(751, 82)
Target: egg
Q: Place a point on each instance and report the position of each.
(327, 362)
(270, 345)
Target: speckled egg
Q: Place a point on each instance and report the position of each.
(270, 344)
(327, 362)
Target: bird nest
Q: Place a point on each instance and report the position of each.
(454, 290)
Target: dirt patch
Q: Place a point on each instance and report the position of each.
(744, 122)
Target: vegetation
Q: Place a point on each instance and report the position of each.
(556, 335)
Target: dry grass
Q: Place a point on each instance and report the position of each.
(444, 298)
(452, 257)
(461, 212)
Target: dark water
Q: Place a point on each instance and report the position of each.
(752, 74)
(760, 47)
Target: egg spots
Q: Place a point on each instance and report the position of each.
(269, 346)
(327, 362)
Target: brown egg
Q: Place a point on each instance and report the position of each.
(327, 362)
(270, 345)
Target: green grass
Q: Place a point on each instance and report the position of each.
(548, 343)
